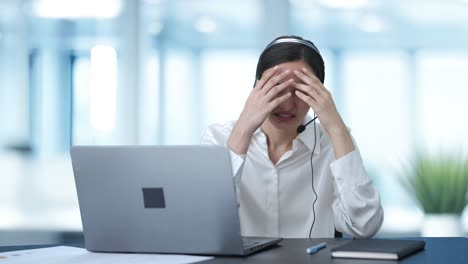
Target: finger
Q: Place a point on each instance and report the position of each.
(277, 89)
(275, 103)
(315, 79)
(310, 74)
(304, 77)
(312, 81)
(309, 77)
(309, 90)
(307, 99)
(274, 81)
(266, 76)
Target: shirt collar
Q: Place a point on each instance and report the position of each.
(306, 137)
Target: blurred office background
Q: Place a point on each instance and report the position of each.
(158, 72)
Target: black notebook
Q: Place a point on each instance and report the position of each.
(390, 249)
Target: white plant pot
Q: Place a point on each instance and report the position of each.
(442, 225)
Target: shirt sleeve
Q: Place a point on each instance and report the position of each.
(356, 202)
(218, 135)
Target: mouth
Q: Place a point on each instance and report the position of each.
(284, 117)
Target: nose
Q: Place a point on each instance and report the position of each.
(289, 104)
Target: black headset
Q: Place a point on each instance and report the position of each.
(301, 128)
(295, 40)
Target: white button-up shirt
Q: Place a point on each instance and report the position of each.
(275, 200)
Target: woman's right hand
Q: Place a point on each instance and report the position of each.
(263, 99)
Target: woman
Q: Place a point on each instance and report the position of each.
(291, 183)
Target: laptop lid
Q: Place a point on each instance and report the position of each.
(167, 199)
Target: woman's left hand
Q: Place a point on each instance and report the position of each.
(320, 100)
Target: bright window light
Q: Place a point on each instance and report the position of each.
(442, 96)
(344, 3)
(205, 24)
(103, 84)
(154, 28)
(77, 8)
(372, 24)
(223, 101)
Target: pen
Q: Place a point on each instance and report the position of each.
(314, 249)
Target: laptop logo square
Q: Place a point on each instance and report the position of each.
(154, 198)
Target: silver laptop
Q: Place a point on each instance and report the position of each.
(160, 199)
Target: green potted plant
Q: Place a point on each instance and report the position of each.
(439, 185)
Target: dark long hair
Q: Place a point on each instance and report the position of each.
(288, 52)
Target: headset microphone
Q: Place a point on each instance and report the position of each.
(301, 128)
